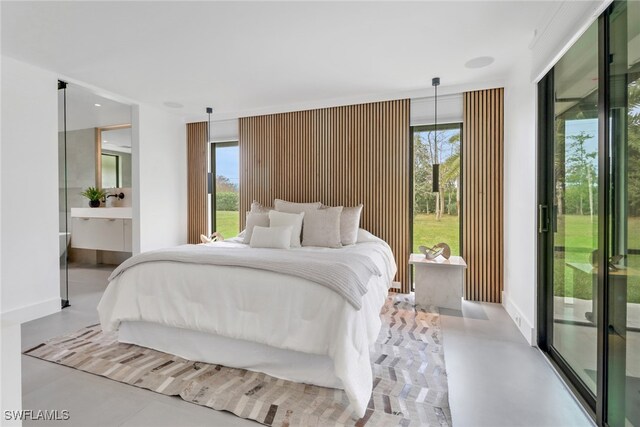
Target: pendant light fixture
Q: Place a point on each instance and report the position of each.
(435, 172)
(209, 175)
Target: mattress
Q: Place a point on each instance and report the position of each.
(263, 307)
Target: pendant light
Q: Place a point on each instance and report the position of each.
(209, 174)
(435, 173)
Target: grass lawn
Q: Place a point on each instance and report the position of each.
(575, 233)
(427, 231)
(579, 237)
(228, 223)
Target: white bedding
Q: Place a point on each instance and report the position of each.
(265, 307)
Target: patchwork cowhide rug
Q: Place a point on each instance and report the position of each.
(409, 386)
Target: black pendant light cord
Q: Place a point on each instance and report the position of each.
(435, 173)
(210, 177)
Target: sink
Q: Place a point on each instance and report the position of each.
(124, 213)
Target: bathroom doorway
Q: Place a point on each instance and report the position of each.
(95, 189)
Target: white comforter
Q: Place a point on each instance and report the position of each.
(261, 306)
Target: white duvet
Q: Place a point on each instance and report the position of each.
(266, 307)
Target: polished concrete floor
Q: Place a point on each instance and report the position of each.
(495, 378)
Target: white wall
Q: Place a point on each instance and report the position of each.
(30, 273)
(224, 130)
(29, 217)
(159, 179)
(449, 110)
(520, 285)
(558, 30)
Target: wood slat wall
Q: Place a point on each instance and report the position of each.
(197, 151)
(482, 234)
(339, 156)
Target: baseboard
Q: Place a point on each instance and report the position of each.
(31, 312)
(526, 329)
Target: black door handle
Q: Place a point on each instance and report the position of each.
(543, 218)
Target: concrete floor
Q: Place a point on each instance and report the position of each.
(495, 378)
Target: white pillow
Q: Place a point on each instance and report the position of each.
(291, 207)
(322, 228)
(349, 224)
(271, 237)
(293, 220)
(254, 219)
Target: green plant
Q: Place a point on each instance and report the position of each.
(226, 201)
(93, 194)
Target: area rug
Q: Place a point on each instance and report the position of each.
(409, 386)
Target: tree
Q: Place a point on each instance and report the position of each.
(224, 184)
(425, 151)
(422, 173)
(580, 166)
(633, 137)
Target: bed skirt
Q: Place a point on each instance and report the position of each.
(189, 344)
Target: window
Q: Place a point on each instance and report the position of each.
(436, 216)
(110, 171)
(225, 170)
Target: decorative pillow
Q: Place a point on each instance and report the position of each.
(254, 219)
(349, 224)
(291, 207)
(271, 237)
(257, 207)
(322, 228)
(293, 220)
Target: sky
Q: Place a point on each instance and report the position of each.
(589, 126)
(228, 163)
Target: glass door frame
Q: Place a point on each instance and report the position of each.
(595, 404)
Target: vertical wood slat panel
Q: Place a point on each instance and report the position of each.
(482, 231)
(339, 156)
(197, 150)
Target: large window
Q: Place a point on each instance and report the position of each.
(225, 168)
(436, 215)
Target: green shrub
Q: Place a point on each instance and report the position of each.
(226, 201)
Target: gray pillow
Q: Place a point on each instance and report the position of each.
(322, 228)
(254, 219)
(291, 207)
(349, 224)
(259, 208)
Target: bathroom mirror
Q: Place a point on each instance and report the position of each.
(113, 156)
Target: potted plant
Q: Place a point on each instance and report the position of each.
(95, 195)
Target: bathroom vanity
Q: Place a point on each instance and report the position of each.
(104, 229)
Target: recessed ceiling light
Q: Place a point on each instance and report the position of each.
(479, 62)
(98, 105)
(173, 104)
(104, 140)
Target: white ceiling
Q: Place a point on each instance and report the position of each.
(82, 113)
(244, 58)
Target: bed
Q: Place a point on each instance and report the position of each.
(254, 316)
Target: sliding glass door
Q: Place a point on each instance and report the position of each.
(575, 208)
(589, 216)
(622, 280)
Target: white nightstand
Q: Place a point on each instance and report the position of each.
(439, 282)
